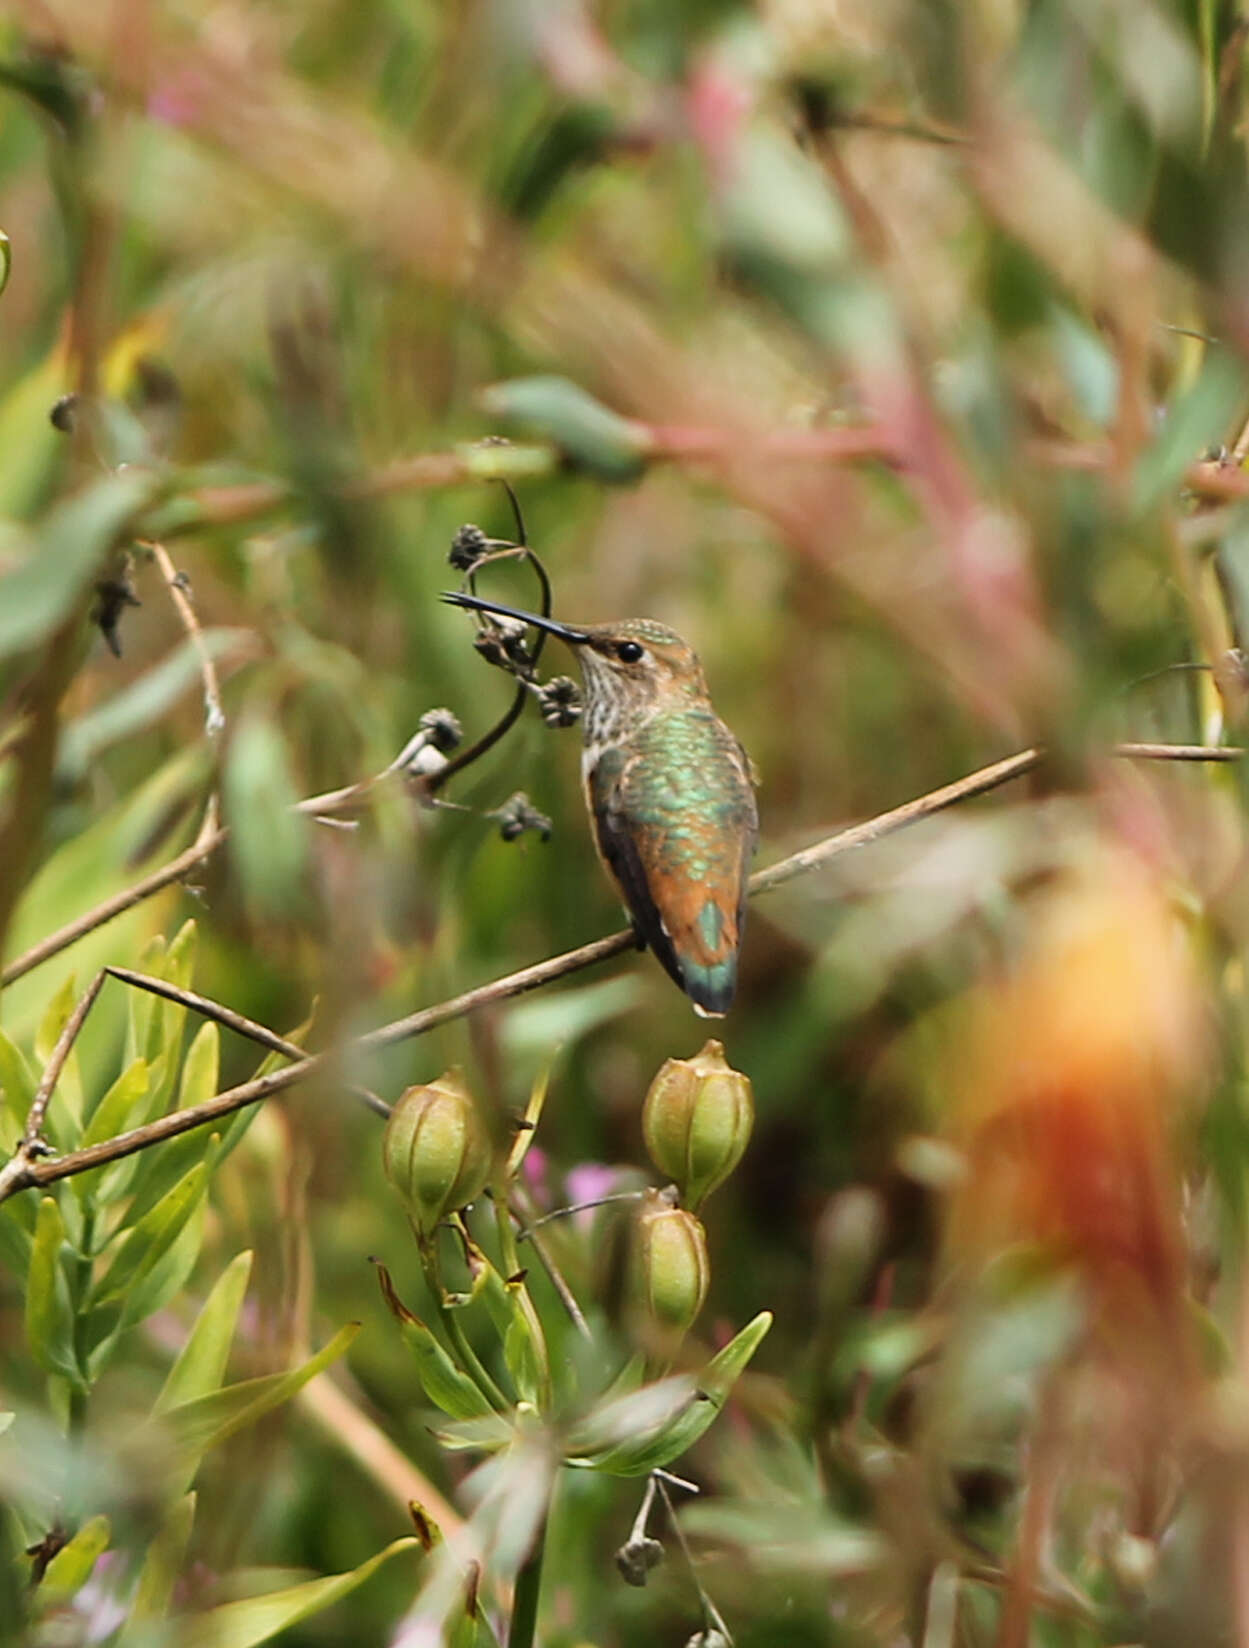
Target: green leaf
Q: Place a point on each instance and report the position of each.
(595, 438)
(142, 1003)
(199, 1068)
(136, 707)
(1194, 421)
(120, 1108)
(73, 540)
(18, 1082)
(521, 1352)
(201, 1363)
(653, 1439)
(256, 1619)
(64, 1116)
(268, 838)
(49, 1308)
(202, 1424)
(168, 1275)
(483, 1435)
(147, 1242)
(70, 1569)
(16, 1235)
(159, 1573)
(442, 1380)
(30, 449)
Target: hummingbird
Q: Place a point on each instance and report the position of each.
(670, 793)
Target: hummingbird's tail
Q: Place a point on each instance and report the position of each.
(711, 989)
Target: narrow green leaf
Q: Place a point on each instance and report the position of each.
(73, 539)
(70, 1569)
(268, 841)
(595, 438)
(18, 1081)
(145, 701)
(168, 1275)
(520, 1350)
(199, 1068)
(120, 1108)
(145, 1243)
(180, 961)
(160, 1570)
(16, 1237)
(256, 1619)
(209, 1420)
(442, 1380)
(49, 1309)
(526, 1134)
(656, 1444)
(116, 1180)
(30, 449)
(201, 1363)
(142, 1004)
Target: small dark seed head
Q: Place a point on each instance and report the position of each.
(636, 1559)
(560, 701)
(518, 815)
(502, 642)
(62, 414)
(442, 729)
(467, 547)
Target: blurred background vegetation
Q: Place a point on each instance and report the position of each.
(892, 351)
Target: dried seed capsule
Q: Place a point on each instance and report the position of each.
(559, 700)
(467, 547)
(697, 1121)
(435, 1150)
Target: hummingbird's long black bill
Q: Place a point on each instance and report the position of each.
(575, 637)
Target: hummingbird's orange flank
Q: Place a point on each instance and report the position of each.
(670, 792)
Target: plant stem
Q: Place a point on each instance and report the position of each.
(511, 1271)
(525, 1597)
(447, 1315)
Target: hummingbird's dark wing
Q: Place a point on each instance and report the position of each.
(618, 848)
(675, 821)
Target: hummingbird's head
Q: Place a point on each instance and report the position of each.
(630, 668)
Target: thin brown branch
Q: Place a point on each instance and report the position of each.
(214, 714)
(673, 443)
(110, 908)
(26, 1175)
(33, 1131)
(349, 795)
(210, 1009)
(32, 1146)
(206, 843)
(226, 1016)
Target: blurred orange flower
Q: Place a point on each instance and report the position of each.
(1068, 1083)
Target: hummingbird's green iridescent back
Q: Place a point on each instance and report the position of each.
(675, 820)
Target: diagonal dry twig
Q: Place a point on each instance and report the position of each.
(214, 714)
(212, 835)
(205, 844)
(32, 1146)
(24, 1175)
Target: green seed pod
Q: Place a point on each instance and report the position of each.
(435, 1150)
(697, 1121)
(670, 1271)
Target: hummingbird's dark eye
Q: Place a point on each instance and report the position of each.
(628, 652)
